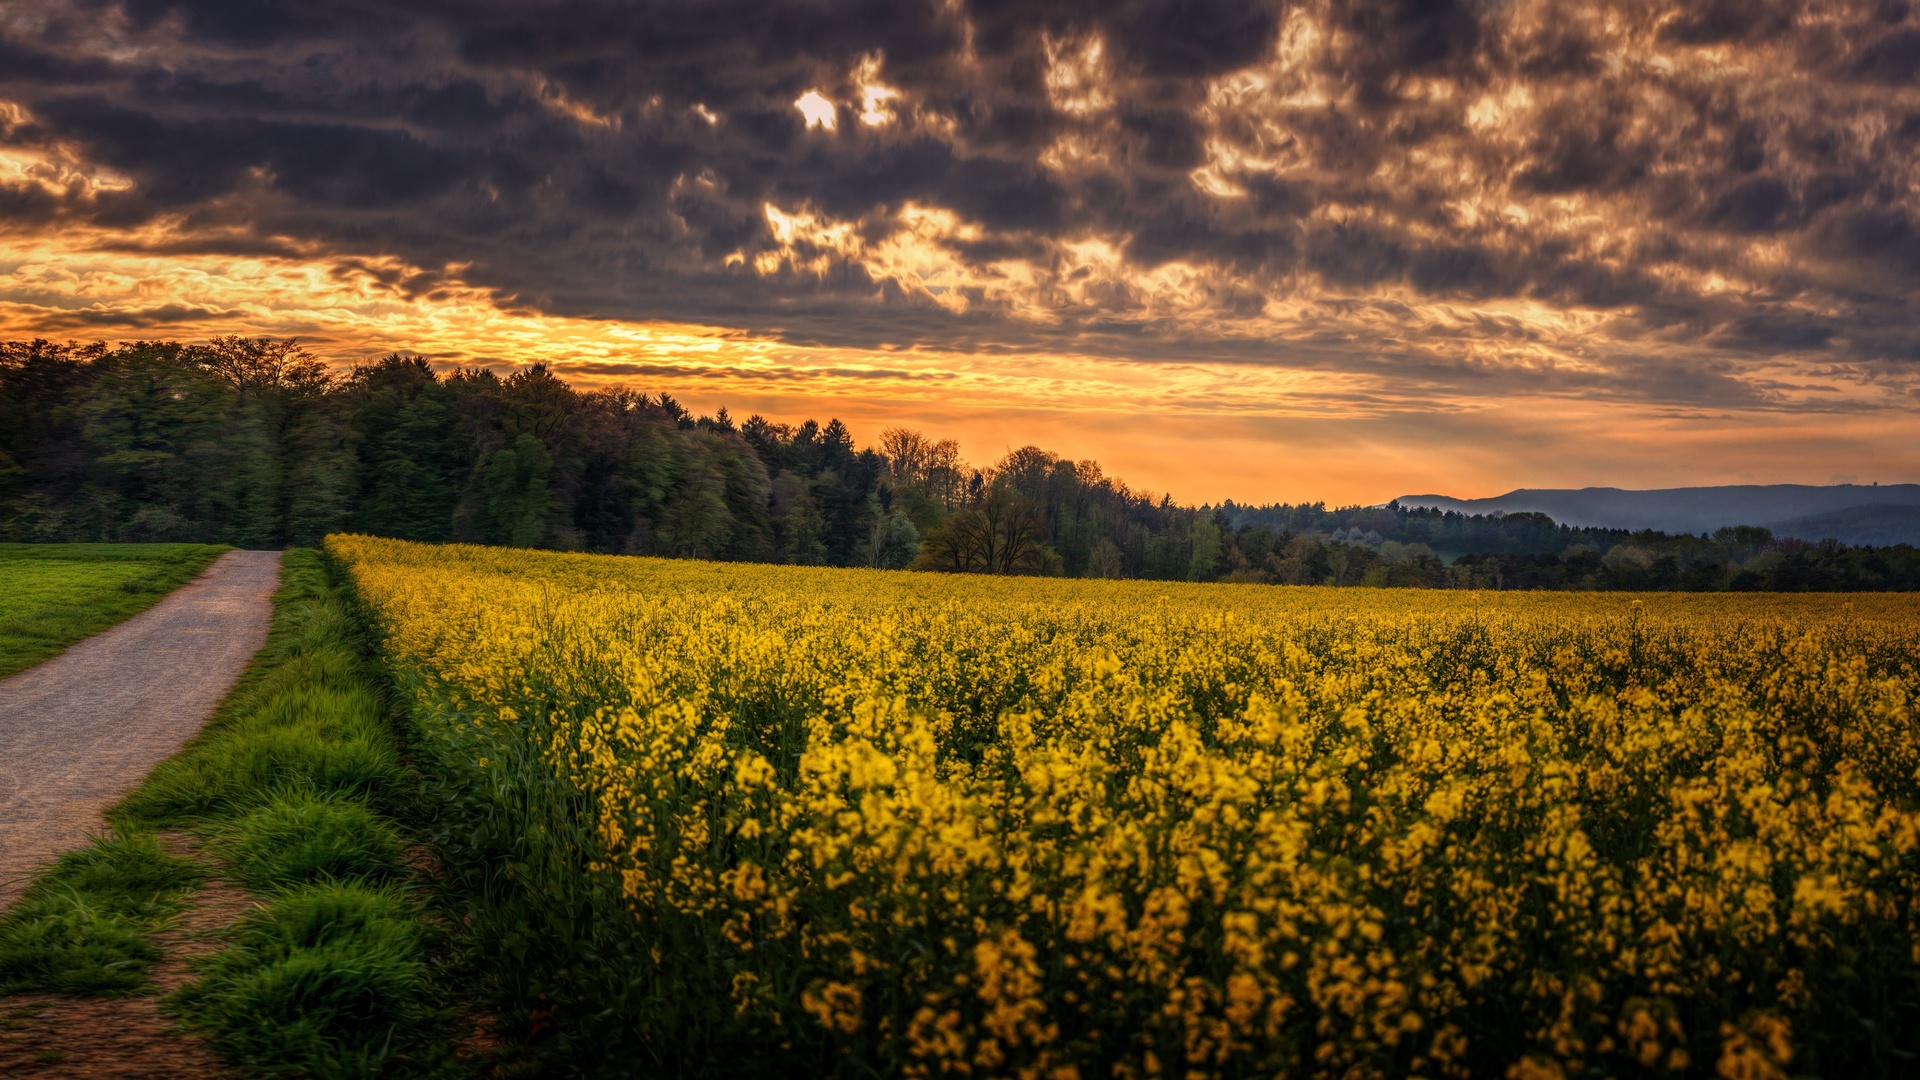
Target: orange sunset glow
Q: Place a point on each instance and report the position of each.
(1315, 252)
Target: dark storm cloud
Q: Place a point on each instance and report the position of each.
(616, 159)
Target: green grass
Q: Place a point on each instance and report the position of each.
(294, 784)
(298, 839)
(52, 595)
(326, 981)
(315, 739)
(84, 926)
(293, 781)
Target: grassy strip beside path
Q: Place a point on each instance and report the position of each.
(53, 595)
(295, 791)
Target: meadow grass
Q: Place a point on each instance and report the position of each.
(53, 595)
(294, 786)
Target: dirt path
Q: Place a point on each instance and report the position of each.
(82, 729)
(55, 1037)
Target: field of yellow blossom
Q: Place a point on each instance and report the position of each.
(734, 820)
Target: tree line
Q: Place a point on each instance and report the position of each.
(255, 442)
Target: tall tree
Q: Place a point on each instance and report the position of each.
(517, 493)
(1004, 534)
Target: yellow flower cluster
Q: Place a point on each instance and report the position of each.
(941, 825)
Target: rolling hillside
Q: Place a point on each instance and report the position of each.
(1852, 513)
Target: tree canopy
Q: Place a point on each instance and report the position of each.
(257, 443)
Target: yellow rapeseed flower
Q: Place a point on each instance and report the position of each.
(968, 826)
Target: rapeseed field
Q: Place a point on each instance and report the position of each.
(730, 819)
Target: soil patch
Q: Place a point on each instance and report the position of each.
(56, 1036)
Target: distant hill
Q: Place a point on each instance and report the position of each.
(1878, 515)
(1877, 524)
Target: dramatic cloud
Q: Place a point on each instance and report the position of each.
(1697, 213)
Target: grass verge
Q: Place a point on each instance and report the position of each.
(296, 790)
(57, 594)
(327, 980)
(85, 925)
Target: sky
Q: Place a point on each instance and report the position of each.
(1266, 251)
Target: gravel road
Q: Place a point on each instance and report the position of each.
(82, 729)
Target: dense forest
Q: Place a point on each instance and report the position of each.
(254, 442)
